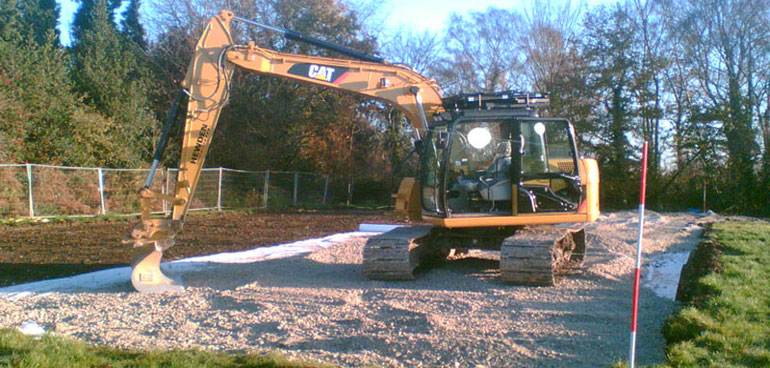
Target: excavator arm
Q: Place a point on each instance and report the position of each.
(207, 85)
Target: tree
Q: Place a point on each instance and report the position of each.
(482, 52)
(11, 127)
(727, 49)
(11, 27)
(41, 119)
(551, 32)
(115, 81)
(679, 83)
(610, 54)
(648, 81)
(554, 63)
(84, 16)
(40, 17)
(131, 28)
(422, 51)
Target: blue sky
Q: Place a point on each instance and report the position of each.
(68, 8)
(417, 14)
(432, 14)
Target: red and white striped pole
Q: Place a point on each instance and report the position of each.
(634, 307)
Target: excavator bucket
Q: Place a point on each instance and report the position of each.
(150, 238)
(146, 275)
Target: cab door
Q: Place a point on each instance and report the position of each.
(548, 172)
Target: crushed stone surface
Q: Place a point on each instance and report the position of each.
(321, 307)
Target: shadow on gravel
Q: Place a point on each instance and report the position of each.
(16, 273)
(301, 272)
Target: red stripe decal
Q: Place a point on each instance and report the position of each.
(636, 300)
(341, 77)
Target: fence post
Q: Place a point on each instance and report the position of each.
(267, 188)
(29, 190)
(164, 189)
(100, 172)
(326, 188)
(296, 184)
(219, 191)
(350, 191)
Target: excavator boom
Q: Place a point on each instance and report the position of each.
(207, 83)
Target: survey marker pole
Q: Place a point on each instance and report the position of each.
(635, 302)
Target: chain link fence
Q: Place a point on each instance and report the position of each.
(47, 191)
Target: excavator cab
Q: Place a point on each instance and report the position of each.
(489, 169)
(499, 159)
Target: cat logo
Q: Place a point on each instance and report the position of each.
(323, 73)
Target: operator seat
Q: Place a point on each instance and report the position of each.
(496, 184)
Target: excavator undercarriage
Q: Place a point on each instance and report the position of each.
(528, 256)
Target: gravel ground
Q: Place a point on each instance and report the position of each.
(320, 307)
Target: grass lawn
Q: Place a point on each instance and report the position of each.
(727, 320)
(17, 350)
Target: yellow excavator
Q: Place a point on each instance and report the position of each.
(489, 166)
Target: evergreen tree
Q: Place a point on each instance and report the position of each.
(41, 119)
(114, 81)
(40, 18)
(84, 16)
(130, 26)
(10, 25)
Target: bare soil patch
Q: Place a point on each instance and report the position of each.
(320, 306)
(36, 251)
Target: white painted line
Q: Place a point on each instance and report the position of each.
(105, 278)
(663, 273)
(377, 228)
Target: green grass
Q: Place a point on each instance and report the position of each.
(727, 322)
(17, 350)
